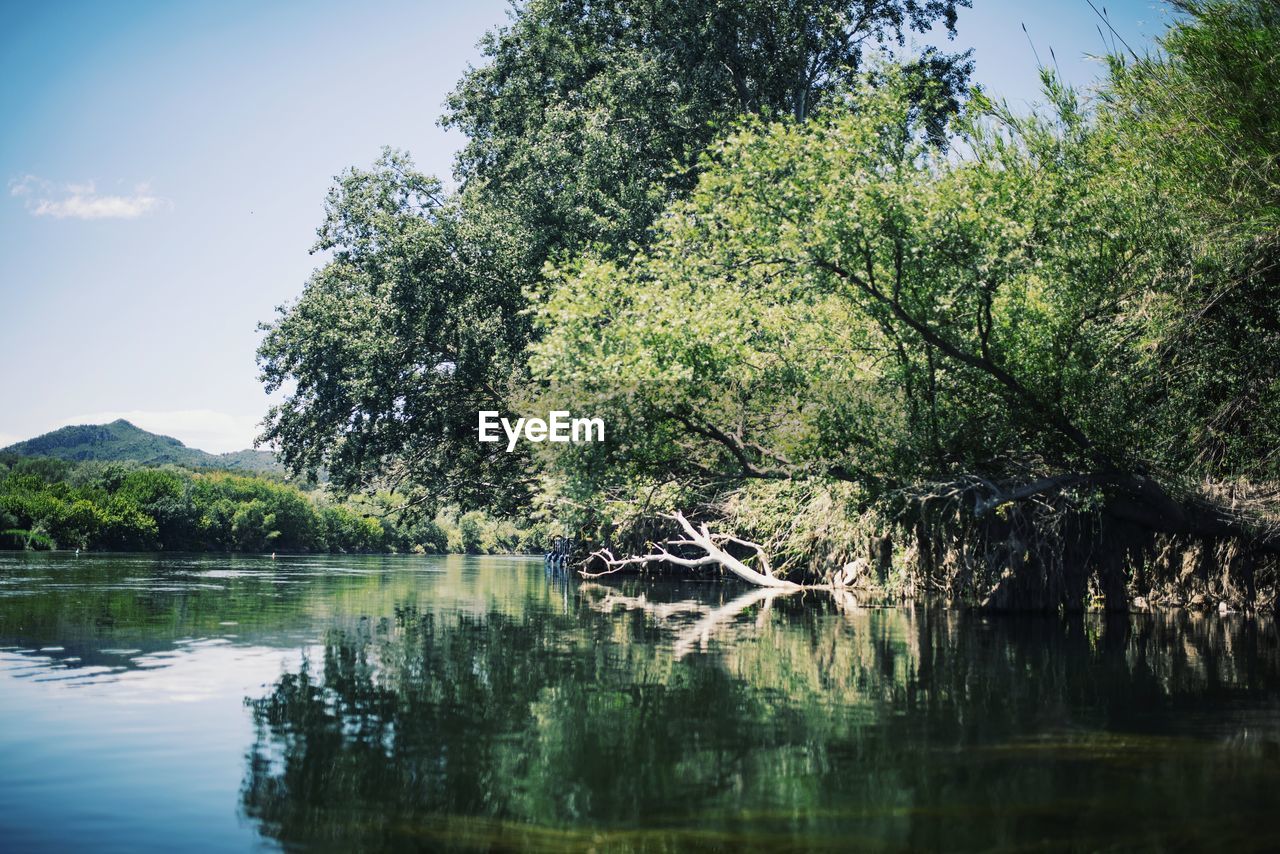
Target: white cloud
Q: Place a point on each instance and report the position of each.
(82, 201)
(206, 429)
(7, 439)
(22, 186)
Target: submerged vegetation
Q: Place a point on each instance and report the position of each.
(881, 328)
(48, 504)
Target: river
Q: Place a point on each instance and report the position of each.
(378, 703)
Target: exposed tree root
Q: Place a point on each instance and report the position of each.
(1126, 544)
(1066, 542)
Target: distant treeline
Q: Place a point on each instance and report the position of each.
(48, 503)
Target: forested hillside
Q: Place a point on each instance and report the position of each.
(121, 441)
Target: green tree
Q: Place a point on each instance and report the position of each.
(252, 527)
(837, 300)
(471, 528)
(164, 495)
(584, 123)
(73, 524)
(348, 531)
(1198, 119)
(398, 342)
(126, 527)
(589, 118)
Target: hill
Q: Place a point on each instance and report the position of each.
(122, 441)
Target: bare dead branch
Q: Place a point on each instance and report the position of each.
(712, 554)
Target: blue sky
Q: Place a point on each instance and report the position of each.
(164, 167)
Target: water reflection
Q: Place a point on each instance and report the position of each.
(645, 718)
(111, 614)
(377, 703)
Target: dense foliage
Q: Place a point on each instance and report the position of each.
(585, 122)
(826, 298)
(1082, 300)
(589, 118)
(840, 298)
(1203, 123)
(50, 503)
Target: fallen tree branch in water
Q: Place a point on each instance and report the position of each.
(713, 553)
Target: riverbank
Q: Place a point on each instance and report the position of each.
(968, 544)
(49, 503)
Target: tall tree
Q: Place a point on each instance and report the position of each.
(589, 117)
(585, 122)
(412, 327)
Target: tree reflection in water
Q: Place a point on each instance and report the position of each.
(631, 718)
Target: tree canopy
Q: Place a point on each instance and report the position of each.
(586, 121)
(589, 118)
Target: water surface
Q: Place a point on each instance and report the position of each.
(375, 703)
